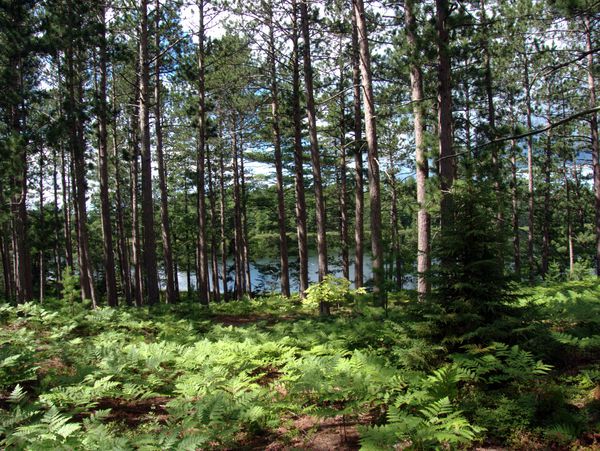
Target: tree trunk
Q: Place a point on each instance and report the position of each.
(515, 210)
(343, 193)
(422, 164)
(547, 217)
(122, 249)
(570, 248)
(42, 225)
(530, 193)
(594, 136)
(244, 222)
(301, 227)
(202, 268)
(149, 250)
(358, 161)
(66, 205)
(373, 158)
(284, 275)
(22, 260)
(240, 282)
(315, 157)
(447, 160)
(5, 249)
(55, 210)
(222, 224)
(136, 252)
(107, 234)
(396, 260)
(77, 144)
(162, 168)
(491, 113)
(213, 236)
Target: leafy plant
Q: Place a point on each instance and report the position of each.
(330, 291)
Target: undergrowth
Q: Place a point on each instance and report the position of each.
(239, 374)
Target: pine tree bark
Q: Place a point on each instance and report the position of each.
(55, 212)
(22, 260)
(515, 210)
(570, 247)
(300, 207)
(447, 160)
(107, 233)
(284, 276)
(216, 292)
(530, 203)
(123, 253)
(244, 222)
(240, 273)
(594, 136)
(372, 151)
(343, 193)
(491, 118)
(315, 156)
(222, 219)
(149, 249)
(77, 144)
(136, 251)
(202, 259)
(66, 202)
(422, 164)
(358, 161)
(42, 225)
(5, 250)
(165, 224)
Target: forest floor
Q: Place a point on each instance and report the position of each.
(271, 374)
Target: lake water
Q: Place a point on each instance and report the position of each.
(264, 273)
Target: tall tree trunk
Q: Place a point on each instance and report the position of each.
(570, 247)
(315, 157)
(107, 234)
(222, 224)
(530, 203)
(358, 161)
(55, 212)
(122, 249)
(372, 155)
(284, 275)
(547, 216)
(77, 144)
(447, 160)
(396, 260)
(213, 236)
(300, 207)
(136, 251)
(149, 250)
(5, 249)
(515, 210)
(422, 164)
(188, 269)
(244, 222)
(594, 136)
(66, 205)
(202, 268)
(165, 224)
(22, 260)
(343, 193)
(491, 118)
(240, 282)
(42, 225)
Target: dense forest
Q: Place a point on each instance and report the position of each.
(324, 224)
